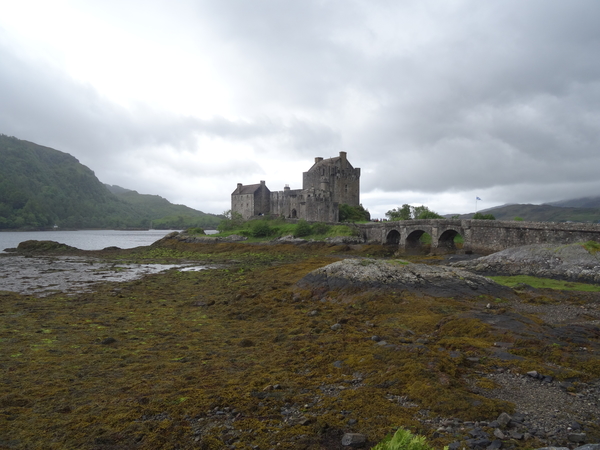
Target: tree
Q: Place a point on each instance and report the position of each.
(353, 213)
(233, 220)
(479, 216)
(303, 228)
(407, 212)
(403, 213)
(423, 212)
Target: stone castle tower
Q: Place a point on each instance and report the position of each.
(327, 184)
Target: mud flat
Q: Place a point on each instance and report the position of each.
(45, 275)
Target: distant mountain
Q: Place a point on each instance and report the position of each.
(584, 202)
(542, 213)
(41, 187)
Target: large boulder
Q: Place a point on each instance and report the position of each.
(437, 281)
(568, 262)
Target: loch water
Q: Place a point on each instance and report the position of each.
(85, 239)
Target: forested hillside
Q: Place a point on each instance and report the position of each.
(41, 187)
(166, 214)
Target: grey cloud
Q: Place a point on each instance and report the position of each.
(452, 96)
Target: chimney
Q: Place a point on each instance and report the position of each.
(239, 188)
(318, 159)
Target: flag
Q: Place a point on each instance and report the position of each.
(477, 198)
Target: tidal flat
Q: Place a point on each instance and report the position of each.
(243, 356)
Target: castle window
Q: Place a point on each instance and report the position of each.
(346, 187)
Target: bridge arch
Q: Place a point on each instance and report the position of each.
(446, 240)
(413, 242)
(393, 237)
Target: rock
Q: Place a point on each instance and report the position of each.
(499, 434)
(42, 246)
(570, 262)
(235, 238)
(437, 281)
(553, 448)
(478, 442)
(108, 341)
(375, 338)
(589, 447)
(503, 420)
(575, 425)
(532, 374)
(495, 445)
(516, 435)
(336, 327)
(290, 239)
(578, 438)
(355, 440)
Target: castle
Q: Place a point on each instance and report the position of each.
(327, 184)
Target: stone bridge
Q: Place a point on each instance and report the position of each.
(479, 236)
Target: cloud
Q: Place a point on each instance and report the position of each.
(432, 100)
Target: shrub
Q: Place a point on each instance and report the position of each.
(233, 221)
(197, 230)
(407, 212)
(479, 216)
(260, 228)
(592, 246)
(404, 440)
(320, 228)
(302, 229)
(518, 219)
(353, 213)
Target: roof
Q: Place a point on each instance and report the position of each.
(329, 162)
(247, 189)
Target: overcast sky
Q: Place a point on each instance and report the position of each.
(437, 102)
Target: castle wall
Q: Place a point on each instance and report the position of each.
(262, 200)
(253, 200)
(337, 176)
(288, 203)
(243, 204)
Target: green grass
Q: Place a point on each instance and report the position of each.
(545, 283)
(592, 246)
(404, 440)
(278, 228)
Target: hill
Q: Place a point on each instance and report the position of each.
(542, 213)
(584, 202)
(164, 213)
(41, 187)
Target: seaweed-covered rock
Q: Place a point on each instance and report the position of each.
(33, 246)
(192, 238)
(437, 281)
(568, 262)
